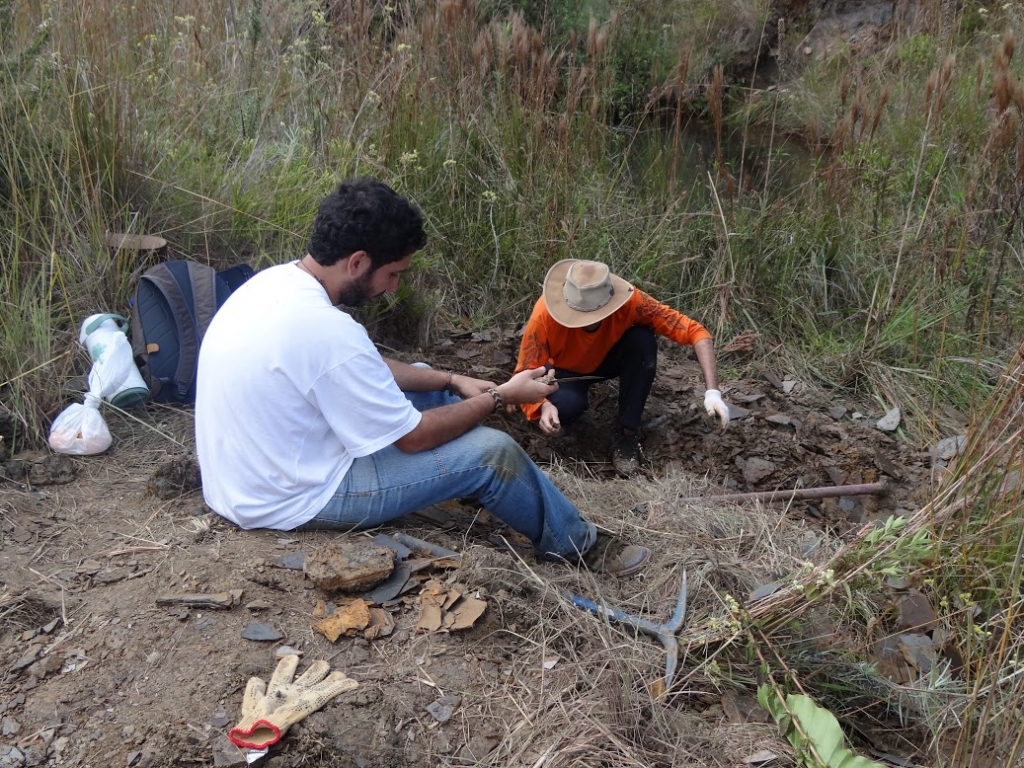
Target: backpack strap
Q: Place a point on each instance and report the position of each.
(204, 294)
(164, 281)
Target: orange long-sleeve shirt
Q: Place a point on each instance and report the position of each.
(546, 342)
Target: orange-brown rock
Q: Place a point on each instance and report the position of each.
(349, 566)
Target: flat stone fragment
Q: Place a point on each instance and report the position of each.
(295, 561)
(349, 566)
(261, 633)
(11, 756)
(919, 650)
(915, 613)
(390, 588)
(950, 447)
(765, 590)
(443, 709)
(736, 413)
(890, 421)
(226, 754)
(755, 470)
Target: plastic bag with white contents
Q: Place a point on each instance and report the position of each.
(80, 429)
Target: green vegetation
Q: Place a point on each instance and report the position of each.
(863, 217)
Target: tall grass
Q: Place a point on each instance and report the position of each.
(220, 128)
(965, 550)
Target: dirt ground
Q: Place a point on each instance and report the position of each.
(94, 671)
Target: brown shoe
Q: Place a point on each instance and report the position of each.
(626, 456)
(611, 556)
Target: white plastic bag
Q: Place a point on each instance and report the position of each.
(113, 375)
(80, 429)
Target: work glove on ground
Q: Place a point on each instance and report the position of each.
(268, 711)
(715, 406)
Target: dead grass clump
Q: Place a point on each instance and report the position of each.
(25, 611)
(728, 552)
(583, 686)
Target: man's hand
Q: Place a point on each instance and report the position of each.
(525, 387)
(715, 406)
(549, 423)
(467, 387)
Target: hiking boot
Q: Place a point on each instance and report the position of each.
(611, 556)
(626, 456)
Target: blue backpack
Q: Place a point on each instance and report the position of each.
(171, 310)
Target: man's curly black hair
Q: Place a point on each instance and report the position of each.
(366, 215)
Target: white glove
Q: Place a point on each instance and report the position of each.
(715, 406)
(268, 711)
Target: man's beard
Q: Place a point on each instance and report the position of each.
(359, 292)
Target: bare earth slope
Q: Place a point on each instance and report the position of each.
(94, 672)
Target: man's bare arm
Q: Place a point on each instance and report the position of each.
(440, 425)
(415, 378)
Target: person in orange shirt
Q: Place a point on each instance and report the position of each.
(589, 321)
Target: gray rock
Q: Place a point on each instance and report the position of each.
(261, 633)
(11, 756)
(220, 719)
(765, 590)
(226, 754)
(915, 613)
(736, 413)
(294, 561)
(890, 421)
(755, 470)
(948, 448)
(443, 709)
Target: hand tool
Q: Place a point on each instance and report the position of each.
(549, 378)
(665, 633)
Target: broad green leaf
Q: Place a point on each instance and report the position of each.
(819, 741)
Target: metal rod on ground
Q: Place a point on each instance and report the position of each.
(797, 494)
(665, 633)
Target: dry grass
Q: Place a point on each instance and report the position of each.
(594, 705)
(25, 611)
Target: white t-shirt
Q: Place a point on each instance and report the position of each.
(289, 391)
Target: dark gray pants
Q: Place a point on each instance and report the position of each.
(633, 361)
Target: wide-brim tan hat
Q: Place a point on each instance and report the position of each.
(579, 293)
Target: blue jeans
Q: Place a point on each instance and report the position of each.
(484, 464)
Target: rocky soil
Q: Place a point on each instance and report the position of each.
(131, 617)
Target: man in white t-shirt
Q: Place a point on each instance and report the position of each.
(301, 423)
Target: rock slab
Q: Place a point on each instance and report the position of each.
(349, 566)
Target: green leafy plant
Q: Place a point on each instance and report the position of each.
(813, 731)
(892, 553)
